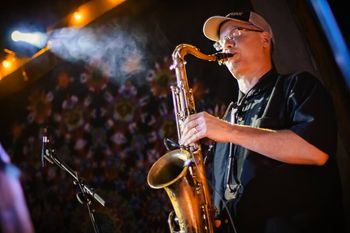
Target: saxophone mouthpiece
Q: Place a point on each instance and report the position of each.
(222, 57)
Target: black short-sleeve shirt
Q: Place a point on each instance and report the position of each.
(275, 196)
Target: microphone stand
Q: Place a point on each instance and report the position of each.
(84, 192)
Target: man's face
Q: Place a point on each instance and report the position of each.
(247, 47)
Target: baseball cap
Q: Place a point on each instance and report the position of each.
(244, 19)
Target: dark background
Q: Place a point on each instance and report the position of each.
(39, 14)
(107, 116)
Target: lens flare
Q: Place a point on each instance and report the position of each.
(37, 39)
(77, 16)
(6, 64)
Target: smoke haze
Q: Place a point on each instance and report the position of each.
(117, 52)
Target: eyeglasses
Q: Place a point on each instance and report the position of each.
(234, 34)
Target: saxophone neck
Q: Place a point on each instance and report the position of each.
(183, 49)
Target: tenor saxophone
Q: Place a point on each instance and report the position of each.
(181, 172)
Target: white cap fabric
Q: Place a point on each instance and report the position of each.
(244, 19)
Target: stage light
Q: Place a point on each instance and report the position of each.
(6, 64)
(77, 16)
(9, 60)
(37, 39)
(10, 63)
(333, 34)
(15, 36)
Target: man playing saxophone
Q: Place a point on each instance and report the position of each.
(274, 162)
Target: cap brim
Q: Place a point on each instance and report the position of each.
(211, 26)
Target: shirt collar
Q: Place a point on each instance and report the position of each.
(266, 81)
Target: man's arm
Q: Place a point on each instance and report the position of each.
(282, 145)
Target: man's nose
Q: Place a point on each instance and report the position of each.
(229, 43)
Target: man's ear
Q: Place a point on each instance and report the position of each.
(266, 37)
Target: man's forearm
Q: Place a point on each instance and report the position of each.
(281, 145)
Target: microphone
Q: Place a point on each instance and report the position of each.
(48, 154)
(44, 141)
(92, 193)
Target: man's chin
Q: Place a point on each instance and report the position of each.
(232, 62)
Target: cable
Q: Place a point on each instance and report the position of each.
(224, 206)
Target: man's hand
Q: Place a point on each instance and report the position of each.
(201, 125)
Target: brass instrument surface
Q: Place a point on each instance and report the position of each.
(181, 172)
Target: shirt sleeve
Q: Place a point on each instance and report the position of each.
(312, 112)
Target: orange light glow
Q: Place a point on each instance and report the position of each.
(10, 63)
(6, 64)
(77, 16)
(90, 11)
(115, 1)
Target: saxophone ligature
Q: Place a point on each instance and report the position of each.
(181, 172)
